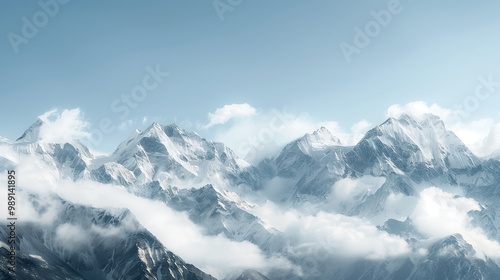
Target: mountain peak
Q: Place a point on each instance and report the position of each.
(426, 119)
(169, 152)
(413, 143)
(171, 130)
(453, 245)
(319, 142)
(406, 123)
(325, 136)
(154, 127)
(32, 134)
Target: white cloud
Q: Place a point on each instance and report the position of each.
(63, 127)
(350, 236)
(359, 129)
(491, 144)
(216, 255)
(439, 214)
(397, 206)
(418, 108)
(342, 236)
(265, 133)
(348, 189)
(72, 237)
(348, 193)
(228, 112)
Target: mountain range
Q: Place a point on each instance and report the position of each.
(408, 201)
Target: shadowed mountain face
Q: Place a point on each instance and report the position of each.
(90, 243)
(379, 181)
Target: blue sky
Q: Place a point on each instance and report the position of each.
(267, 54)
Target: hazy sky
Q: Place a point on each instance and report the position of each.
(261, 54)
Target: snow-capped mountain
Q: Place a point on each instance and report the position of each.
(308, 152)
(405, 150)
(373, 181)
(69, 160)
(308, 165)
(421, 149)
(91, 243)
(224, 212)
(177, 157)
(32, 134)
(448, 258)
(218, 211)
(453, 258)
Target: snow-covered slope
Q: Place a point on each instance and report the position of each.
(405, 150)
(220, 193)
(309, 165)
(176, 157)
(224, 212)
(308, 152)
(90, 243)
(32, 134)
(69, 160)
(453, 258)
(421, 149)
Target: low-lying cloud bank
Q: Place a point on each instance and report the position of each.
(216, 255)
(340, 235)
(439, 213)
(435, 214)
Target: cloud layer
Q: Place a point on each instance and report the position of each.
(64, 126)
(216, 255)
(264, 133)
(439, 214)
(257, 134)
(228, 112)
(339, 235)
